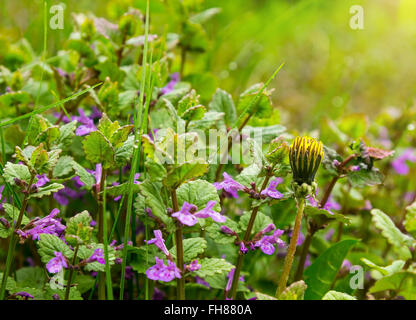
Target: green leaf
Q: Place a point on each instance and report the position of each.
(323, 216)
(107, 127)
(66, 134)
(32, 277)
(296, 291)
(19, 171)
(192, 247)
(85, 177)
(48, 190)
(396, 266)
(199, 193)
(151, 194)
(262, 296)
(48, 136)
(11, 283)
(403, 283)
(48, 244)
(156, 171)
(125, 152)
(185, 172)
(78, 229)
(394, 236)
(204, 16)
(410, 220)
(261, 222)
(223, 102)
(214, 231)
(364, 177)
(13, 213)
(121, 189)
(212, 266)
(63, 166)
(262, 107)
(120, 136)
(335, 295)
(321, 274)
(98, 149)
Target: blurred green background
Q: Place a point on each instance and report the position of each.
(330, 69)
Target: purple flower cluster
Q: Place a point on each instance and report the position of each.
(271, 191)
(229, 185)
(230, 277)
(163, 272)
(174, 79)
(267, 243)
(187, 215)
(193, 266)
(38, 226)
(159, 242)
(57, 263)
(329, 205)
(87, 123)
(400, 164)
(97, 255)
(41, 180)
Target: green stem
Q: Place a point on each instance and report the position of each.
(239, 264)
(179, 250)
(101, 275)
(13, 240)
(71, 272)
(292, 249)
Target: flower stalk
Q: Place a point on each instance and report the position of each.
(292, 248)
(179, 250)
(239, 264)
(71, 273)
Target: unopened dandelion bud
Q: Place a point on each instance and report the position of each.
(305, 156)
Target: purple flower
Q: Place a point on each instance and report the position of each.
(158, 294)
(159, 242)
(174, 79)
(47, 224)
(42, 180)
(56, 264)
(229, 185)
(162, 272)
(63, 195)
(129, 274)
(329, 234)
(87, 124)
(266, 243)
(24, 295)
(271, 191)
(202, 281)
(185, 215)
(93, 223)
(346, 264)
(227, 230)
(208, 212)
(193, 266)
(329, 205)
(98, 256)
(356, 168)
(230, 277)
(243, 248)
(400, 165)
(95, 113)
